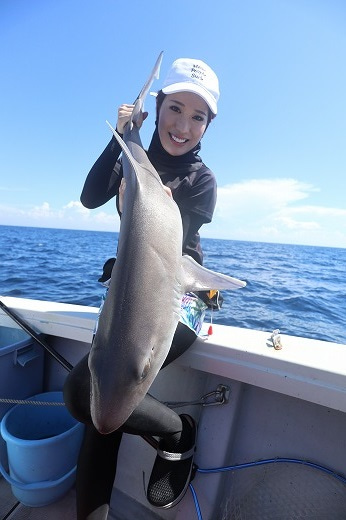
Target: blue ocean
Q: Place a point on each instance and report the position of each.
(297, 289)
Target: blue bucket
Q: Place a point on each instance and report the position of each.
(43, 443)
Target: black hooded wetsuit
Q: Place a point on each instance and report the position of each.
(192, 184)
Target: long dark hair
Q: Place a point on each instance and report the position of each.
(159, 100)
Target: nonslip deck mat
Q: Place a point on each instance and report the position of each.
(283, 491)
(280, 491)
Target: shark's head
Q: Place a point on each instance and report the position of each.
(115, 395)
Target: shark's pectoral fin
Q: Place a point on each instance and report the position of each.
(197, 278)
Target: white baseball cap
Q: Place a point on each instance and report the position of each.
(189, 75)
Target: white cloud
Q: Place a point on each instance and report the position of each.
(73, 215)
(320, 211)
(42, 211)
(272, 210)
(260, 195)
(78, 207)
(290, 224)
(262, 210)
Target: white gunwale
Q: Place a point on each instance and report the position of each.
(308, 369)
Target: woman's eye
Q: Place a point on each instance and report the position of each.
(175, 108)
(199, 118)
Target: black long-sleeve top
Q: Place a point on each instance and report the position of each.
(192, 183)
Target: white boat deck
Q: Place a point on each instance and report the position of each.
(65, 509)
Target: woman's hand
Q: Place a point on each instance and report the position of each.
(124, 115)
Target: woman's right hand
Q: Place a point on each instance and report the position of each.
(124, 115)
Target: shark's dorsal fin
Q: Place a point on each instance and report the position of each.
(195, 277)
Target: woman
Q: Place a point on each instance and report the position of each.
(184, 108)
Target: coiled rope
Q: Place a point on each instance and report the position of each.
(24, 401)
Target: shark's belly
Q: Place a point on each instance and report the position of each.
(150, 292)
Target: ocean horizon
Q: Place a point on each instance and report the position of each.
(297, 289)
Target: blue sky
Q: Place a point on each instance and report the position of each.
(277, 146)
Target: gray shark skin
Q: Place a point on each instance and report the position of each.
(149, 278)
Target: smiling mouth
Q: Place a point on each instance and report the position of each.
(177, 140)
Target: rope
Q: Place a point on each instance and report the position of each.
(215, 397)
(39, 403)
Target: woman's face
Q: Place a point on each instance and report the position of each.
(183, 119)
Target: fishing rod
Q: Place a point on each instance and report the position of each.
(60, 359)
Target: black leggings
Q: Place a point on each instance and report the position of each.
(98, 455)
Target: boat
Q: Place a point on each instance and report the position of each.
(271, 413)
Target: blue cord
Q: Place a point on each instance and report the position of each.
(195, 499)
(260, 463)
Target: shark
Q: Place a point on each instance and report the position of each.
(149, 278)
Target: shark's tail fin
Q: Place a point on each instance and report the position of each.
(139, 103)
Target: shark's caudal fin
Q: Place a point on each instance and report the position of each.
(137, 109)
(198, 278)
(139, 103)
